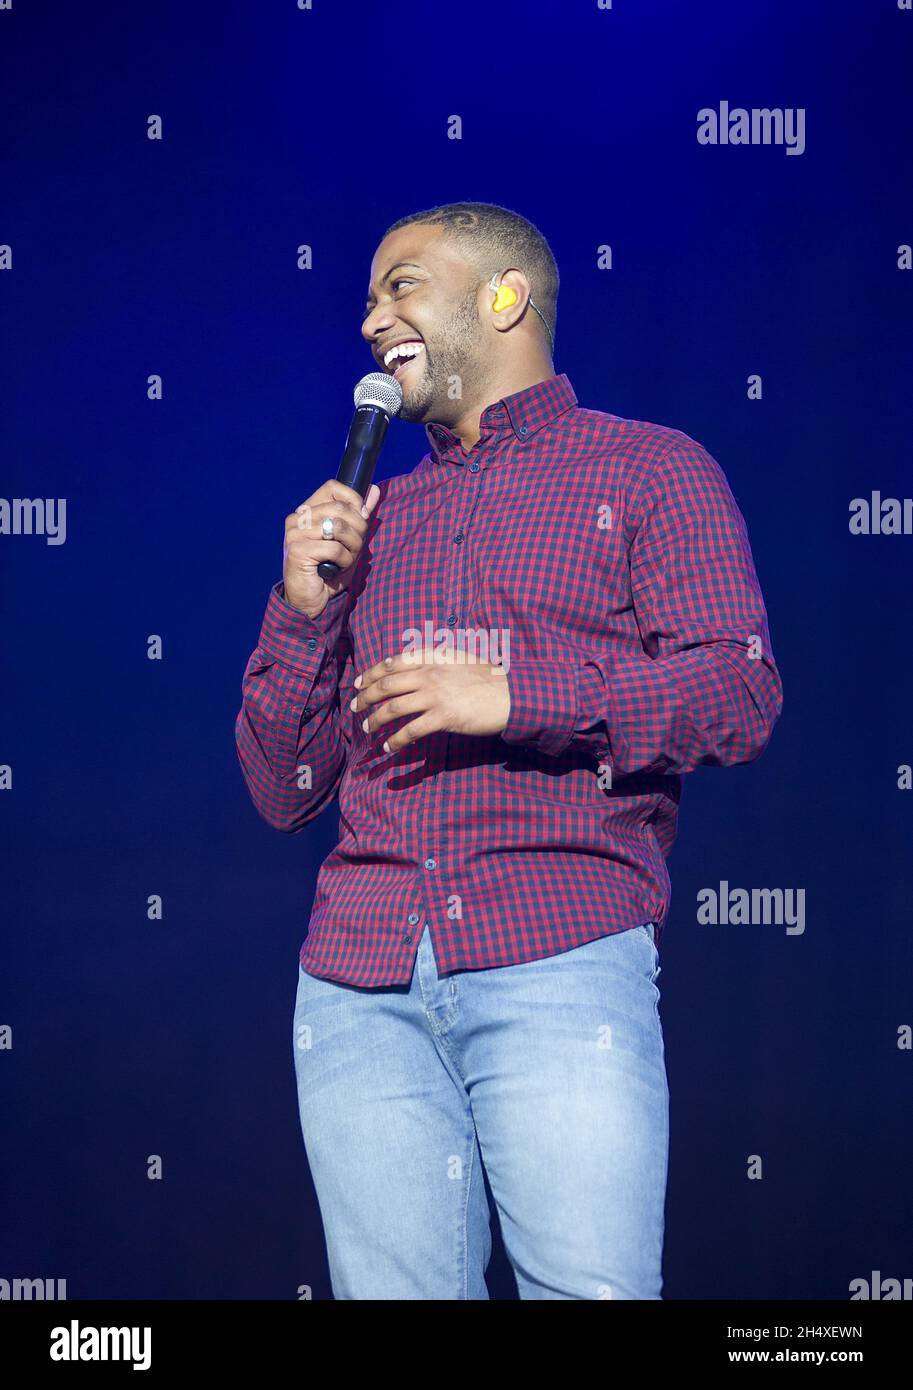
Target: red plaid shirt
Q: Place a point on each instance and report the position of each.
(605, 564)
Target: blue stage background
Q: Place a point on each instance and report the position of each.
(321, 126)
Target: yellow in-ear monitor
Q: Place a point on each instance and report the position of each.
(505, 297)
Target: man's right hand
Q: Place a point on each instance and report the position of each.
(305, 547)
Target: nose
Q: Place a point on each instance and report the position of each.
(379, 320)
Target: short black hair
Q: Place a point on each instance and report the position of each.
(492, 238)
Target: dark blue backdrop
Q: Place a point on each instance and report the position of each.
(130, 257)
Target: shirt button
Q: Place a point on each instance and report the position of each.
(458, 538)
(451, 619)
(413, 918)
(312, 643)
(430, 863)
(474, 467)
(523, 431)
(407, 938)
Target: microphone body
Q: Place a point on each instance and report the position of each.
(378, 398)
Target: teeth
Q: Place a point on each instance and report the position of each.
(402, 351)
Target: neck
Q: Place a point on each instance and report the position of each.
(466, 426)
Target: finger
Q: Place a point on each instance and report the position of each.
(370, 500)
(413, 702)
(335, 491)
(390, 665)
(307, 551)
(308, 520)
(310, 517)
(342, 532)
(387, 685)
(411, 732)
(373, 673)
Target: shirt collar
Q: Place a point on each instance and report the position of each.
(521, 415)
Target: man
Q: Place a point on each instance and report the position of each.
(533, 635)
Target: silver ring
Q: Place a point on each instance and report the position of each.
(328, 533)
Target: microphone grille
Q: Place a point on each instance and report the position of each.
(377, 388)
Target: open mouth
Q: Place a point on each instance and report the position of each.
(397, 361)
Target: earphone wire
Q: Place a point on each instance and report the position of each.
(547, 329)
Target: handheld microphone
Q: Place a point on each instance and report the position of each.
(378, 397)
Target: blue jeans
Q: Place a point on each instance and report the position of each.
(551, 1073)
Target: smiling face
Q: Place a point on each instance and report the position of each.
(424, 293)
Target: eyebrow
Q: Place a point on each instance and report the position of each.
(397, 266)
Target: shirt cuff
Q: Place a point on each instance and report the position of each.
(543, 704)
(298, 641)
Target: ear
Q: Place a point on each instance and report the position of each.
(511, 291)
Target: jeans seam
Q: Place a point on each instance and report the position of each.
(468, 1193)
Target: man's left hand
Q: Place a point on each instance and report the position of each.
(443, 692)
